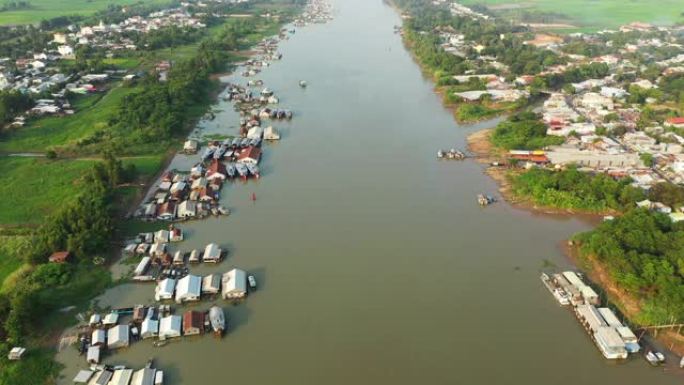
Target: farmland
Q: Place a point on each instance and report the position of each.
(47, 9)
(586, 15)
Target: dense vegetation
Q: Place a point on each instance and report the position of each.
(644, 254)
(523, 131)
(573, 189)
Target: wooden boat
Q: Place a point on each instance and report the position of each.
(252, 282)
(217, 319)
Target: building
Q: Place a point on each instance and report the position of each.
(121, 377)
(167, 211)
(675, 122)
(165, 289)
(234, 284)
(98, 337)
(191, 147)
(216, 170)
(271, 133)
(60, 257)
(211, 284)
(144, 376)
(83, 377)
(16, 353)
(111, 319)
(193, 323)
(93, 355)
(149, 328)
(118, 337)
(187, 209)
(170, 327)
(212, 253)
(189, 288)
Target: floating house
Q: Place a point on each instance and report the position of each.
(144, 376)
(193, 323)
(95, 319)
(142, 266)
(187, 209)
(149, 328)
(121, 377)
(212, 253)
(170, 327)
(98, 337)
(271, 134)
(93, 355)
(194, 256)
(139, 312)
(175, 235)
(118, 337)
(111, 319)
(189, 289)
(588, 294)
(211, 284)
(179, 258)
(161, 236)
(234, 284)
(157, 249)
(190, 147)
(165, 289)
(102, 377)
(83, 377)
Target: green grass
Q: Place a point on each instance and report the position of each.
(51, 132)
(34, 188)
(47, 9)
(10, 260)
(596, 14)
(126, 63)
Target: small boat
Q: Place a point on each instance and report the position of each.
(484, 200)
(253, 169)
(302, 83)
(159, 344)
(654, 358)
(252, 282)
(242, 170)
(223, 211)
(440, 154)
(681, 363)
(217, 319)
(266, 92)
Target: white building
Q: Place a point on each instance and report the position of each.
(234, 284)
(189, 288)
(170, 327)
(118, 337)
(149, 328)
(212, 253)
(165, 289)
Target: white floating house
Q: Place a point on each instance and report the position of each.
(111, 319)
(170, 327)
(149, 328)
(142, 266)
(121, 377)
(271, 133)
(189, 288)
(211, 284)
(255, 132)
(165, 289)
(118, 337)
(98, 337)
(157, 249)
(93, 355)
(234, 284)
(95, 319)
(194, 256)
(179, 258)
(83, 377)
(144, 376)
(212, 253)
(161, 236)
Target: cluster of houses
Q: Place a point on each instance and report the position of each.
(613, 339)
(231, 285)
(119, 375)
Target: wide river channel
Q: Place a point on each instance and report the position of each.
(375, 263)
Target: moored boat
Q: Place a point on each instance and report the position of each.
(217, 319)
(252, 282)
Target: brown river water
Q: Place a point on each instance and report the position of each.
(375, 263)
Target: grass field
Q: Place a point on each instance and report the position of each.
(36, 187)
(47, 9)
(589, 15)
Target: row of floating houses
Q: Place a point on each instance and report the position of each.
(119, 375)
(613, 339)
(231, 285)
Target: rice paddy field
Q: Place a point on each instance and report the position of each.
(587, 15)
(47, 9)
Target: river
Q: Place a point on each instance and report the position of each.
(375, 263)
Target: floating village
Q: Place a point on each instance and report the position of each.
(181, 195)
(614, 339)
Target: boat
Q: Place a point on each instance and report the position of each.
(253, 169)
(681, 363)
(558, 293)
(440, 154)
(302, 83)
(252, 282)
(484, 200)
(159, 344)
(242, 170)
(230, 170)
(217, 319)
(654, 358)
(266, 92)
